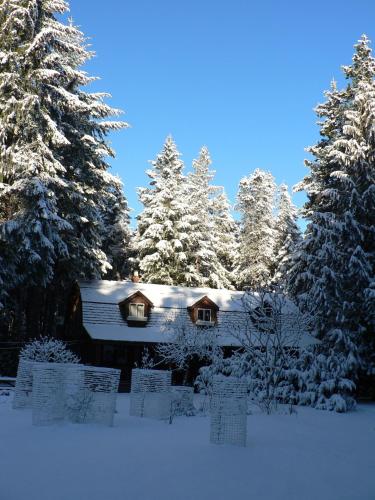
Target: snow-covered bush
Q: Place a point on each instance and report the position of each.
(188, 342)
(270, 360)
(316, 377)
(46, 349)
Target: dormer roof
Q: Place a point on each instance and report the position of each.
(137, 294)
(204, 302)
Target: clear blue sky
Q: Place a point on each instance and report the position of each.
(239, 76)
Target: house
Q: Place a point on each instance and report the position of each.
(118, 319)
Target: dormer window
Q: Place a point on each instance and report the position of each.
(204, 312)
(204, 316)
(136, 312)
(136, 309)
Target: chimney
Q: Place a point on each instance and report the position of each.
(135, 277)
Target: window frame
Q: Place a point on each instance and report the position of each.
(138, 307)
(204, 322)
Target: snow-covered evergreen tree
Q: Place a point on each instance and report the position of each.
(287, 232)
(225, 234)
(117, 234)
(213, 240)
(255, 202)
(165, 239)
(335, 263)
(52, 156)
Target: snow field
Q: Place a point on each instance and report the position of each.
(314, 455)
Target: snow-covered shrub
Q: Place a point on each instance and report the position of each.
(49, 350)
(319, 383)
(147, 360)
(188, 342)
(276, 372)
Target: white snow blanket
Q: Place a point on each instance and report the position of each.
(309, 456)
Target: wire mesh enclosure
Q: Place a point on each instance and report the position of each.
(24, 385)
(150, 393)
(95, 399)
(183, 400)
(48, 393)
(228, 411)
(90, 394)
(73, 392)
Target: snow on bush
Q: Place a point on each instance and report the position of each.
(46, 349)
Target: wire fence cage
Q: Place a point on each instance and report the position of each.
(74, 392)
(150, 394)
(228, 411)
(24, 385)
(48, 393)
(91, 394)
(182, 400)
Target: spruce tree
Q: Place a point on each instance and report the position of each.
(52, 158)
(165, 239)
(225, 234)
(214, 241)
(255, 203)
(117, 235)
(287, 234)
(335, 263)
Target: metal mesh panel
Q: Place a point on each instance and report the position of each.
(24, 385)
(77, 393)
(183, 400)
(101, 386)
(48, 393)
(90, 394)
(228, 411)
(150, 393)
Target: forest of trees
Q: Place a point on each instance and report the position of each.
(64, 216)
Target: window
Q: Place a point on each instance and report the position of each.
(137, 312)
(203, 312)
(204, 315)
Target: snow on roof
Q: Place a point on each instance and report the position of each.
(102, 317)
(163, 296)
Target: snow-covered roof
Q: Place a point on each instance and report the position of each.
(162, 296)
(102, 317)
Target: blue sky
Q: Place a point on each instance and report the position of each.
(239, 76)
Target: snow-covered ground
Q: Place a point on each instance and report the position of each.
(312, 455)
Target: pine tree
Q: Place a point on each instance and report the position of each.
(288, 234)
(335, 263)
(213, 240)
(116, 240)
(165, 239)
(255, 202)
(225, 234)
(52, 157)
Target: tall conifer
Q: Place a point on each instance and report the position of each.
(334, 267)
(165, 239)
(52, 158)
(256, 202)
(213, 234)
(287, 233)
